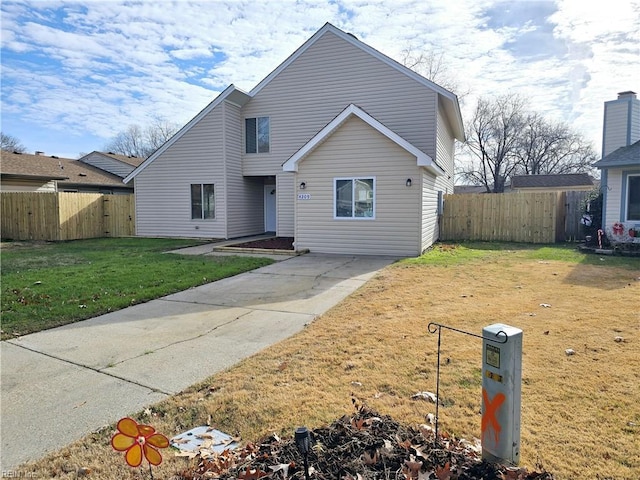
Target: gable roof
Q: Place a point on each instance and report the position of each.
(542, 181)
(230, 94)
(128, 159)
(65, 170)
(234, 95)
(424, 160)
(622, 157)
(448, 99)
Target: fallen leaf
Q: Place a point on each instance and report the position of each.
(444, 473)
(357, 424)
(186, 453)
(179, 441)
(412, 468)
(429, 396)
(283, 467)
(370, 459)
(252, 474)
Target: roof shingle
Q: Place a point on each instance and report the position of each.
(549, 181)
(65, 170)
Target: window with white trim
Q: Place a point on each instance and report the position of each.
(633, 198)
(203, 202)
(354, 197)
(256, 135)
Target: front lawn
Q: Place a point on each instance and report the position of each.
(580, 412)
(45, 285)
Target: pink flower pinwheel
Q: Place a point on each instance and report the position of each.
(138, 440)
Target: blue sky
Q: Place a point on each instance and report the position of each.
(75, 73)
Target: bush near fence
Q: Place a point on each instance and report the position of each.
(66, 216)
(540, 217)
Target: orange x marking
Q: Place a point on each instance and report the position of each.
(489, 416)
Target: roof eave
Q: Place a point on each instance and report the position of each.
(422, 159)
(26, 176)
(231, 94)
(452, 107)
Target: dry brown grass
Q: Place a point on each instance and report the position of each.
(580, 413)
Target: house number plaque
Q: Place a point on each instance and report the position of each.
(304, 196)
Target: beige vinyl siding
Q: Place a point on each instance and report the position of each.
(16, 185)
(245, 195)
(319, 84)
(286, 191)
(163, 196)
(445, 152)
(356, 150)
(429, 211)
(614, 196)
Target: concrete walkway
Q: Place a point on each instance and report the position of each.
(61, 384)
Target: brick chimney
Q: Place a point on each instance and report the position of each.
(621, 125)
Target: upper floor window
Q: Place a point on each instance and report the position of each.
(203, 201)
(355, 198)
(633, 198)
(257, 134)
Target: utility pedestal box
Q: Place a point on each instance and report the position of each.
(501, 392)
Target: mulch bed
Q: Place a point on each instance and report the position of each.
(277, 243)
(363, 446)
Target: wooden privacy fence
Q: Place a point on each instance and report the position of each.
(541, 217)
(66, 216)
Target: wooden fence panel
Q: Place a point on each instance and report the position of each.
(119, 215)
(30, 216)
(66, 216)
(510, 217)
(81, 216)
(573, 211)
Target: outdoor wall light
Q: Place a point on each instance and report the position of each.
(303, 186)
(303, 442)
(408, 182)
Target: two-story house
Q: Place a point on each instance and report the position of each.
(340, 147)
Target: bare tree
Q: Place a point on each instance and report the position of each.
(493, 141)
(546, 148)
(432, 65)
(9, 143)
(504, 139)
(136, 141)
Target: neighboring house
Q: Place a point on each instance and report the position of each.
(23, 172)
(468, 189)
(340, 147)
(121, 165)
(551, 183)
(620, 166)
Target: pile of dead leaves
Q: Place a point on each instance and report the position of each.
(363, 446)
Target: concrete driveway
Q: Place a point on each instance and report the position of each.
(61, 384)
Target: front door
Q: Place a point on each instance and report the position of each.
(270, 208)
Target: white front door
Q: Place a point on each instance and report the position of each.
(269, 208)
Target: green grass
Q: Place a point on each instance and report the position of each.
(45, 285)
(443, 254)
